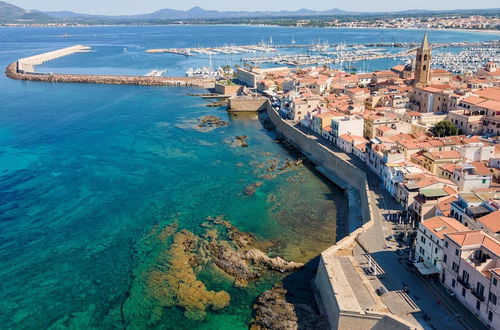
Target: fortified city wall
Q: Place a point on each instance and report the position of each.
(246, 103)
(339, 170)
(330, 163)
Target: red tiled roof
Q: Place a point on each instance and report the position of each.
(491, 221)
(476, 237)
(442, 225)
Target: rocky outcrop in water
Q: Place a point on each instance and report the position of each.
(273, 311)
(260, 258)
(209, 122)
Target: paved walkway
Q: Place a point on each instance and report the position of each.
(438, 309)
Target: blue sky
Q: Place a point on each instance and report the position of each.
(146, 6)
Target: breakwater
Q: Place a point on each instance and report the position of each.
(27, 64)
(13, 73)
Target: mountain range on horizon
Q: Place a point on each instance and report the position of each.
(12, 13)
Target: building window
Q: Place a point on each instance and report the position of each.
(480, 288)
(465, 277)
(478, 305)
(445, 258)
(495, 281)
(453, 283)
(446, 242)
(490, 316)
(463, 292)
(493, 298)
(455, 267)
(456, 252)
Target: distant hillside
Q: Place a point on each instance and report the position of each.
(11, 13)
(200, 13)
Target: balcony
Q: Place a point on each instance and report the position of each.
(465, 284)
(477, 295)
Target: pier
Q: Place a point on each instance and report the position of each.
(27, 64)
(24, 69)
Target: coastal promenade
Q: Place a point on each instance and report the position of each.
(348, 292)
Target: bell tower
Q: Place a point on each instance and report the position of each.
(423, 64)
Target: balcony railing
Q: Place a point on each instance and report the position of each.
(465, 284)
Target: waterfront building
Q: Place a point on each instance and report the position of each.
(322, 120)
(423, 63)
(429, 241)
(300, 106)
(348, 143)
(471, 270)
(352, 125)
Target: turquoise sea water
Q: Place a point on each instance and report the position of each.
(87, 171)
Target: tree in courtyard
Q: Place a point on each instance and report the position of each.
(445, 128)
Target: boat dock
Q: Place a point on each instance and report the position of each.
(224, 50)
(27, 64)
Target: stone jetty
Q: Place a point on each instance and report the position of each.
(27, 64)
(13, 73)
(24, 69)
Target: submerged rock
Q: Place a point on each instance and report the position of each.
(240, 141)
(211, 122)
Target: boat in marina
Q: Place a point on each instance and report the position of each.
(155, 73)
(204, 72)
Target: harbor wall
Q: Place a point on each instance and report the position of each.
(246, 103)
(13, 73)
(334, 165)
(227, 90)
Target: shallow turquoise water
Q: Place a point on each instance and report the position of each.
(86, 172)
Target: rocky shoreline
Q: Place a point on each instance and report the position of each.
(12, 72)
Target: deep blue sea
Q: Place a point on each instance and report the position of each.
(87, 172)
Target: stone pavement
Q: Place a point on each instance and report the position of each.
(438, 309)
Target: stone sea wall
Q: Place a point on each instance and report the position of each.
(333, 165)
(12, 72)
(336, 167)
(245, 103)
